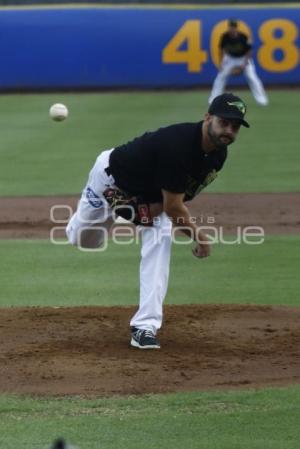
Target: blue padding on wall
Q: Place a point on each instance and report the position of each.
(97, 47)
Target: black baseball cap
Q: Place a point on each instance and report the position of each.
(229, 106)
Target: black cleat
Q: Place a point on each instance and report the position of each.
(143, 339)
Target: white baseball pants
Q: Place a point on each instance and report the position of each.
(88, 228)
(255, 84)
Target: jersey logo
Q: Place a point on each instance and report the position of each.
(239, 105)
(93, 198)
(194, 188)
(210, 177)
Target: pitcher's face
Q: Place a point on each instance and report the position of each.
(222, 131)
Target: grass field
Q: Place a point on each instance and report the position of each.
(40, 157)
(38, 273)
(267, 419)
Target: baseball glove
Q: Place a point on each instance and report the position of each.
(237, 70)
(132, 208)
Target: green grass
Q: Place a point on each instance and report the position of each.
(38, 273)
(41, 157)
(267, 419)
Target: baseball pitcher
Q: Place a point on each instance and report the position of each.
(149, 181)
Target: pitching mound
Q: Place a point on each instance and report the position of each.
(85, 350)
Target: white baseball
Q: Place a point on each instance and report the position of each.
(58, 112)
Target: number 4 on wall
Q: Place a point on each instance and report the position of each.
(189, 37)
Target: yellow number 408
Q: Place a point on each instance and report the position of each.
(185, 46)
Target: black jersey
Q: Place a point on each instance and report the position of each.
(236, 46)
(170, 158)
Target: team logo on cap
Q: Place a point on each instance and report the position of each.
(239, 105)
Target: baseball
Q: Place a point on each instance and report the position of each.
(58, 112)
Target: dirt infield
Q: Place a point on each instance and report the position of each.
(62, 351)
(85, 350)
(29, 217)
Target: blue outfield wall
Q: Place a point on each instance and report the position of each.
(94, 47)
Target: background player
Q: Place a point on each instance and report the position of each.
(158, 171)
(235, 59)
